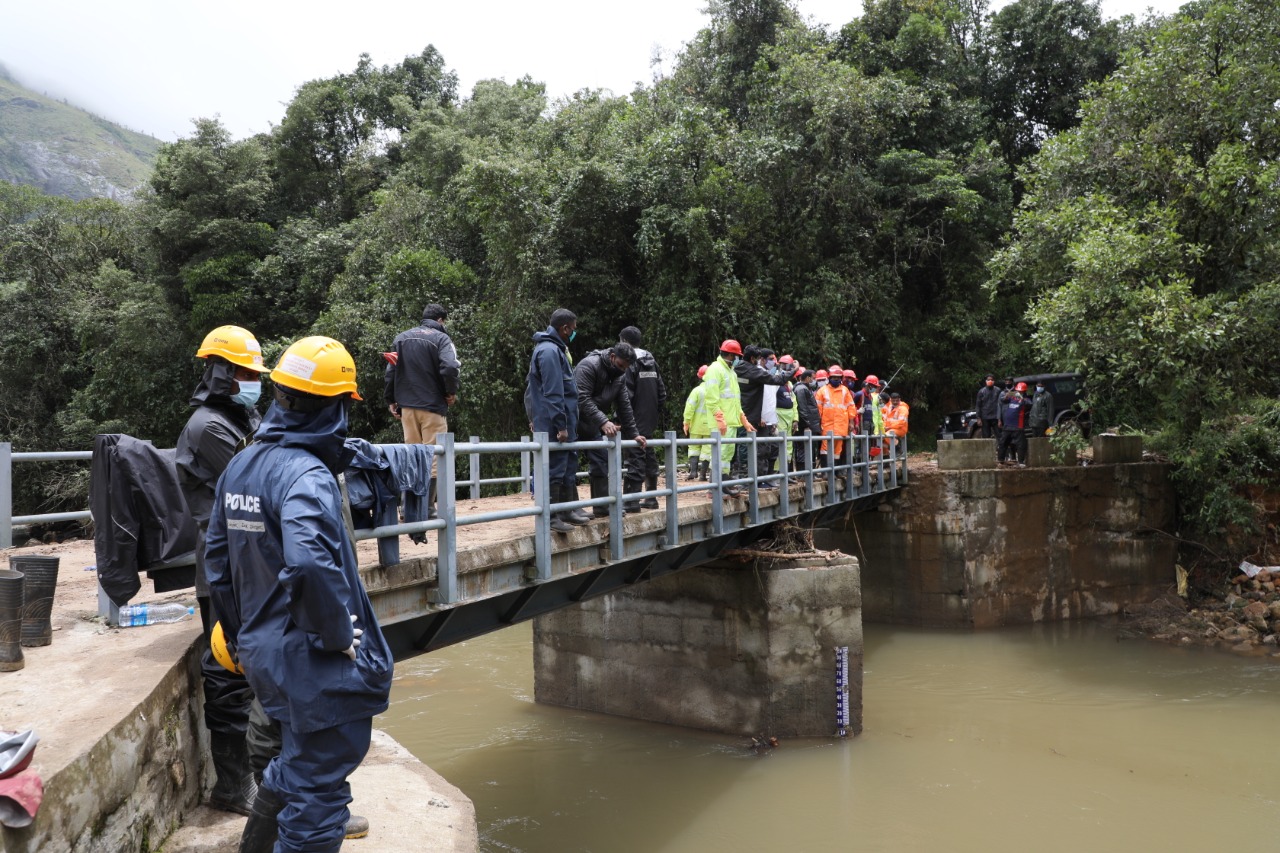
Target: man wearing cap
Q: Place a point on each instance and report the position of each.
(724, 403)
(697, 423)
(284, 581)
(835, 407)
(223, 423)
(421, 383)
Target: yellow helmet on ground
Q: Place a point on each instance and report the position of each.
(236, 345)
(218, 644)
(317, 365)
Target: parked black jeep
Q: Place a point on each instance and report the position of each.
(1066, 388)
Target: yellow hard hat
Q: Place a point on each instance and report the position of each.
(234, 344)
(218, 644)
(317, 365)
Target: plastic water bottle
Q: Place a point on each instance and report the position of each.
(133, 615)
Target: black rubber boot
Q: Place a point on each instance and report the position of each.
(263, 827)
(630, 487)
(704, 470)
(573, 516)
(235, 789)
(650, 484)
(600, 489)
(11, 659)
(558, 521)
(357, 827)
(694, 464)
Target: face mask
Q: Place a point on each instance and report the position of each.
(573, 335)
(770, 365)
(249, 393)
(821, 382)
(1039, 389)
(736, 361)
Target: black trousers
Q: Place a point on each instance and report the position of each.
(226, 695)
(766, 453)
(642, 464)
(990, 428)
(1013, 441)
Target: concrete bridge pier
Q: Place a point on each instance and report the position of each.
(742, 649)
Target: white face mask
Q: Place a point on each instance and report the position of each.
(248, 394)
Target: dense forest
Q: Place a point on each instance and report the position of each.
(933, 186)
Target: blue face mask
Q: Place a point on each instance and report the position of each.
(770, 365)
(736, 361)
(573, 335)
(1039, 389)
(249, 394)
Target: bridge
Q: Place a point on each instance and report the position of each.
(468, 589)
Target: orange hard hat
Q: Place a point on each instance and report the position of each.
(702, 371)
(821, 374)
(835, 370)
(872, 380)
(849, 374)
(786, 359)
(731, 346)
(1021, 386)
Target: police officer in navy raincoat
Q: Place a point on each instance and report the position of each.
(283, 576)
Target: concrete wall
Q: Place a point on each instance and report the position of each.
(746, 650)
(132, 787)
(984, 548)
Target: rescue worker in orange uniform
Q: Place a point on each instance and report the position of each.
(895, 420)
(835, 406)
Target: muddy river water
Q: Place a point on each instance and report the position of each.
(1038, 739)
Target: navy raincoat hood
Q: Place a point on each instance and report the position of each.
(283, 576)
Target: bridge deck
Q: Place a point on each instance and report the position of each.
(498, 581)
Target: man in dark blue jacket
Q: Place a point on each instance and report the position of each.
(283, 579)
(551, 402)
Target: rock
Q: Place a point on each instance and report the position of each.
(1264, 577)
(1243, 648)
(1268, 586)
(1255, 585)
(1239, 579)
(1254, 610)
(1238, 634)
(1232, 599)
(1269, 640)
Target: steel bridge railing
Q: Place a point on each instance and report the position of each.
(858, 474)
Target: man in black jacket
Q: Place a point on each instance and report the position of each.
(988, 406)
(752, 379)
(223, 422)
(421, 383)
(648, 394)
(807, 417)
(602, 388)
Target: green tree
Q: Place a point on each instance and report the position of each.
(1148, 245)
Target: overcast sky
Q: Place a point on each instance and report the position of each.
(154, 65)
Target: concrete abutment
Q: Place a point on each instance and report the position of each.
(741, 650)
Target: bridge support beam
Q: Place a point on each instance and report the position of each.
(743, 650)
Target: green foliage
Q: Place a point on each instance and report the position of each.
(1147, 246)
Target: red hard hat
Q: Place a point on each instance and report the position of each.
(849, 374)
(1021, 386)
(731, 346)
(821, 374)
(702, 371)
(786, 359)
(872, 380)
(835, 371)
